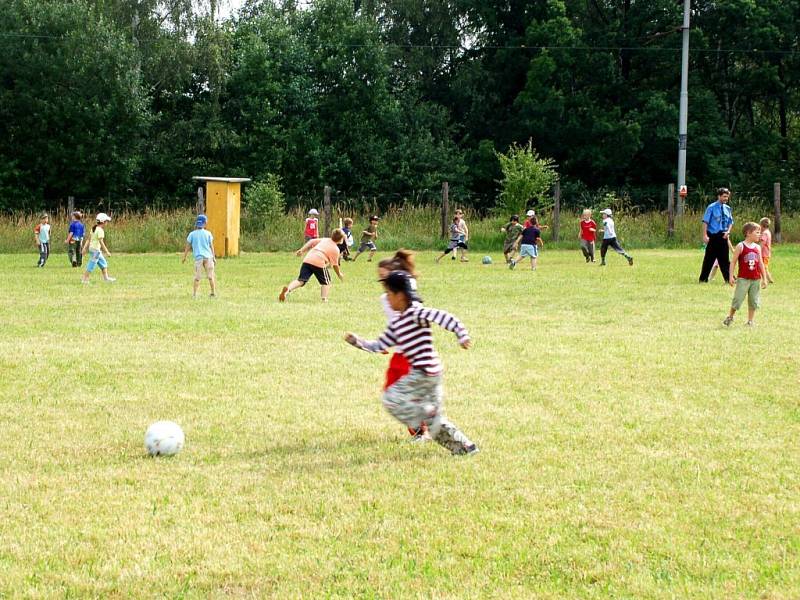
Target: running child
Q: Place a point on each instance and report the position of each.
(321, 254)
(463, 238)
(311, 231)
(610, 239)
(751, 273)
(96, 245)
(416, 398)
(529, 241)
(75, 239)
(41, 235)
(455, 241)
(513, 230)
(403, 260)
(587, 235)
(347, 242)
(201, 243)
(766, 246)
(368, 237)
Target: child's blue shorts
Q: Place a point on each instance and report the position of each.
(96, 258)
(531, 250)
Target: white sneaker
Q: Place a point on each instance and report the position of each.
(110, 279)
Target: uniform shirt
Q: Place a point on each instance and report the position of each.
(750, 262)
(201, 242)
(411, 334)
(97, 235)
(43, 232)
(586, 226)
(323, 252)
(312, 227)
(718, 217)
(529, 235)
(77, 229)
(766, 243)
(513, 229)
(609, 231)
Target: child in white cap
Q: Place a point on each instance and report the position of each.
(610, 239)
(312, 225)
(201, 243)
(96, 245)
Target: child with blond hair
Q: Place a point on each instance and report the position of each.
(752, 275)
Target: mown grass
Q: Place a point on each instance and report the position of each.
(632, 447)
(408, 226)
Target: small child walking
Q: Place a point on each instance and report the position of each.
(587, 235)
(456, 241)
(42, 236)
(201, 243)
(610, 239)
(347, 242)
(368, 237)
(513, 230)
(96, 245)
(766, 245)
(751, 276)
(416, 398)
(75, 239)
(530, 240)
(311, 231)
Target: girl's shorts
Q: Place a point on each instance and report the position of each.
(96, 258)
(531, 250)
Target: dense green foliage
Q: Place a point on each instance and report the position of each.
(385, 99)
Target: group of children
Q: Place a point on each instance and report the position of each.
(752, 256)
(77, 244)
(368, 235)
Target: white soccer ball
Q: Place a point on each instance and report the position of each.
(164, 438)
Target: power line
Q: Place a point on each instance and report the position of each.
(519, 47)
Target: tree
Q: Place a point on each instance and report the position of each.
(527, 179)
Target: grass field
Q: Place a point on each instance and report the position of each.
(631, 446)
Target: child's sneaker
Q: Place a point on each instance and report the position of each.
(282, 295)
(630, 261)
(471, 450)
(727, 322)
(110, 279)
(602, 264)
(749, 324)
(511, 265)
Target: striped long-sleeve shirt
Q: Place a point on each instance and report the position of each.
(411, 334)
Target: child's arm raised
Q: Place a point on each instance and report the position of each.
(446, 321)
(382, 344)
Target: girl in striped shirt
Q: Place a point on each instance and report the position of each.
(416, 398)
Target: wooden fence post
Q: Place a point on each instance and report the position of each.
(556, 210)
(777, 225)
(445, 207)
(70, 205)
(326, 210)
(671, 210)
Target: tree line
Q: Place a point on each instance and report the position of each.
(388, 98)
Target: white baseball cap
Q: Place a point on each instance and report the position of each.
(313, 211)
(530, 213)
(103, 217)
(606, 211)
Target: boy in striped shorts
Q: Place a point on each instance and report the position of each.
(416, 398)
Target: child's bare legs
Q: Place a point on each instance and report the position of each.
(371, 254)
(463, 253)
(212, 281)
(106, 276)
(195, 287)
(324, 291)
(533, 263)
(288, 289)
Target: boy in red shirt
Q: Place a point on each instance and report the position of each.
(312, 225)
(587, 235)
(751, 273)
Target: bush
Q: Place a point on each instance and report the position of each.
(526, 176)
(265, 203)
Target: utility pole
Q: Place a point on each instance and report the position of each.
(684, 108)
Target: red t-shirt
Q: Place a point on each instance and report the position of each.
(311, 228)
(586, 234)
(750, 262)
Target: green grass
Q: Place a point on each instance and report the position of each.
(631, 446)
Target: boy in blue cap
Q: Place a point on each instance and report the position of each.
(201, 243)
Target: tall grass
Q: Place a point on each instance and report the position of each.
(409, 226)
